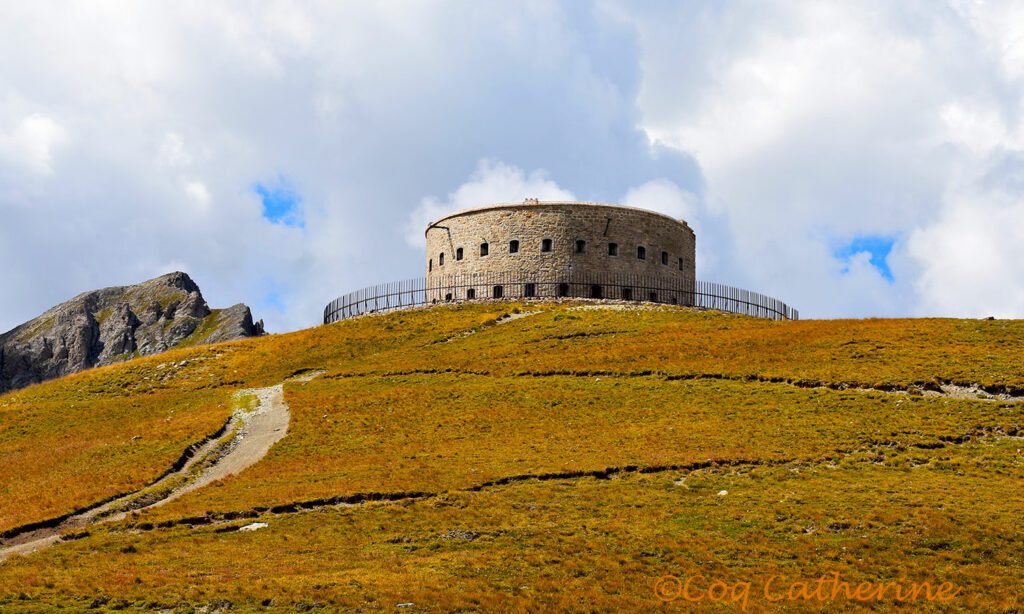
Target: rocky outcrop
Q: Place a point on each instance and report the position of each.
(115, 324)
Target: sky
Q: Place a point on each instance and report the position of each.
(854, 159)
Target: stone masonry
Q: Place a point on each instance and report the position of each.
(560, 249)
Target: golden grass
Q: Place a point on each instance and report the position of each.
(667, 340)
(442, 432)
(874, 485)
(57, 455)
(582, 544)
(73, 442)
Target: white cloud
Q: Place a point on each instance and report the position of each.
(779, 130)
(173, 153)
(491, 182)
(178, 112)
(816, 123)
(666, 197)
(32, 143)
(970, 257)
(198, 194)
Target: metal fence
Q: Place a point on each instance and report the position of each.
(494, 286)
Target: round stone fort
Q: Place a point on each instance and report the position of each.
(560, 249)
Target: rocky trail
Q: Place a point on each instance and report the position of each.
(260, 421)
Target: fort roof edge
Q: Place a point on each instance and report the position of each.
(553, 203)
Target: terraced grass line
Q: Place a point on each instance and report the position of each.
(364, 498)
(241, 442)
(356, 499)
(938, 387)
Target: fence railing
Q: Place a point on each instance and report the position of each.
(492, 286)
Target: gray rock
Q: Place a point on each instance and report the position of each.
(115, 324)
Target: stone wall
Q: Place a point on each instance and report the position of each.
(563, 224)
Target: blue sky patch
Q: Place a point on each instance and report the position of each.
(280, 202)
(878, 246)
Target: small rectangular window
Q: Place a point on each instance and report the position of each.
(627, 294)
(613, 249)
(440, 259)
(513, 247)
(680, 264)
(596, 291)
(458, 254)
(641, 252)
(581, 246)
(430, 265)
(530, 290)
(545, 245)
(484, 249)
(497, 292)
(471, 293)
(664, 258)
(563, 289)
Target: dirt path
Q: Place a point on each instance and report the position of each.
(250, 432)
(259, 429)
(504, 318)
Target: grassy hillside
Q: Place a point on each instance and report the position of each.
(569, 456)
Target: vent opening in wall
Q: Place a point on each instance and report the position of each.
(458, 254)
(563, 290)
(497, 292)
(484, 249)
(530, 290)
(471, 293)
(613, 249)
(545, 245)
(513, 246)
(641, 252)
(581, 246)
